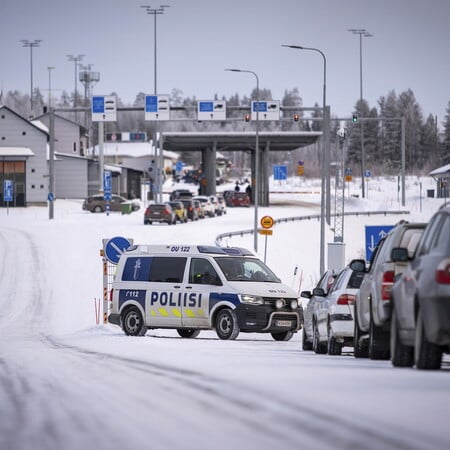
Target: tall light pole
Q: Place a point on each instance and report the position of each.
(325, 167)
(362, 33)
(50, 68)
(31, 44)
(155, 12)
(256, 175)
(76, 60)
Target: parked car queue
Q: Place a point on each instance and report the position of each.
(396, 306)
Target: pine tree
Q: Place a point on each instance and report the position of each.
(446, 144)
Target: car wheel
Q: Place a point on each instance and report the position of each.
(283, 336)
(378, 342)
(319, 347)
(188, 332)
(360, 345)
(132, 322)
(427, 356)
(333, 346)
(401, 355)
(98, 209)
(226, 324)
(306, 345)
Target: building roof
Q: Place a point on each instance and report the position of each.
(444, 170)
(130, 149)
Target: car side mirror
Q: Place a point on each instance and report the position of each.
(318, 292)
(399, 254)
(306, 294)
(358, 265)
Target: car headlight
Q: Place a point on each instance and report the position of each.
(279, 303)
(294, 304)
(251, 299)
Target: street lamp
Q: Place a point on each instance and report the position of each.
(324, 154)
(50, 68)
(154, 12)
(256, 176)
(31, 44)
(362, 33)
(75, 59)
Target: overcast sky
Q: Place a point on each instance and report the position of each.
(198, 39)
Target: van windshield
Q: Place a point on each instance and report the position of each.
(245, 269)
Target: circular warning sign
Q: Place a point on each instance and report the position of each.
(267, 222)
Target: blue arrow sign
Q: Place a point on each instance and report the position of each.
(373, 236)
(115, 247)
(280, 172)
(107, 181)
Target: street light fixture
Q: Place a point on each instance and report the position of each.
(154, 12)
(256, 176)
(31, 44)
(75, 59)
(362, 33)
(324, 155)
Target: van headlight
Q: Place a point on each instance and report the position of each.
(294, 304)
(251, 299)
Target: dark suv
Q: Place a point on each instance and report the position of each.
(160, 212)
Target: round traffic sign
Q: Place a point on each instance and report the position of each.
(115, 247)
(267, 222)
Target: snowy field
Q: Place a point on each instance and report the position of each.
(68, 383)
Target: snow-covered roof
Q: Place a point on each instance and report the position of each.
(440, 170)
(130, 149)
(16, 151)
(40, 125)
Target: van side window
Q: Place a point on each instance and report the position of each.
(137, 269)
(167, 269)
(202, 272)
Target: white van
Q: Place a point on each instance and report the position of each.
(192, 287)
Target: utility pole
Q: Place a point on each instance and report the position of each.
(31, 44)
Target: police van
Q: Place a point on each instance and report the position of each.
(192, 287)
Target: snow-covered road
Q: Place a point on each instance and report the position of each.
(66, 383)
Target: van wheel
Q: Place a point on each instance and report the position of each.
(132, 322)
(226, 325)
(188, 332)
(283, 336)
(427, 355)
(401, 355)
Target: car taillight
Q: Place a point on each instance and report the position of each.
(346, 299)
(443, 272)
(166, 211)
(386, 284)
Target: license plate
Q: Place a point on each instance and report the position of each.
(283, 323)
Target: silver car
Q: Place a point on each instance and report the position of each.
(373, 300)
(420, 324)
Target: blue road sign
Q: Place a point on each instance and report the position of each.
(107, 196)
(50, 197)
(7, 190)
(179, 166)
(373, 235)
(206, 106)
(115, 247)
(367, 173)
(260, 106)
(98, 104)
(348, 171)
(280, 172)
(107, 181)
(151, 103)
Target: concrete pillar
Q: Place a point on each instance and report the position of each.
(209, 170)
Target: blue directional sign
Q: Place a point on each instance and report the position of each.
(151, 103)
(367, 173)
(259, 106)
(348, 171)
(373, 235)
(98, 104)
(280, 172)
(115, 247)
(104, 108)
(7, 191)
(107, 181)
(206, 106)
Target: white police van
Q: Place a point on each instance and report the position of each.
(192, 287)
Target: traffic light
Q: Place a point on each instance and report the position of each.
(247, 117)
(296, 117)
(355, 118)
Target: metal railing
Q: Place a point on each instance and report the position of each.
(308, 217)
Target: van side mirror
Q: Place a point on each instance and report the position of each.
(318, 292)
(399, 254)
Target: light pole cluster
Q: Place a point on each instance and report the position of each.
(31, 45)
(76, 59)
(255, 193)
(362, 33)
(155, 12)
